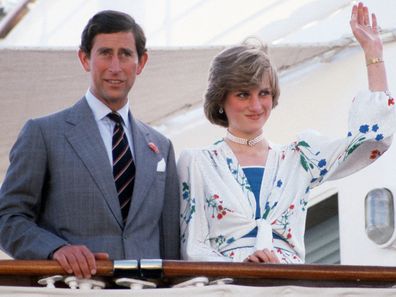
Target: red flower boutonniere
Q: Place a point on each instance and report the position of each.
(391, 101)
(153, 147)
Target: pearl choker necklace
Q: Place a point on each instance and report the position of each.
(248, 142)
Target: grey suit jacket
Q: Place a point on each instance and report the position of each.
(59, 189)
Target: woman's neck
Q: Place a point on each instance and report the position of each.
(250, 155)
(243, 139)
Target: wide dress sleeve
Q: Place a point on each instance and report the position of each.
(371, 124)
(194, 229)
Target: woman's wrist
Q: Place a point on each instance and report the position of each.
(373, 50)
(374, 60)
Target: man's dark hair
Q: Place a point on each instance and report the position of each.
(110, 21)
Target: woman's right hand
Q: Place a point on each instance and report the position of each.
(366, 32)
(263, 256)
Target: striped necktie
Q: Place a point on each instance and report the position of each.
(123, 165)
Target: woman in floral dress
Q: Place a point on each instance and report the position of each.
(244, 198)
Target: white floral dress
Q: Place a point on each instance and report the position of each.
(218, 207)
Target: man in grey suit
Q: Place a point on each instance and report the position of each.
(64, 198)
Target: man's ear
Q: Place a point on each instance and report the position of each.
(142, 62)
(84, 59)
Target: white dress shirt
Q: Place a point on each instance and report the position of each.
(106, 125)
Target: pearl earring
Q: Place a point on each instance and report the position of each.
(221, 110)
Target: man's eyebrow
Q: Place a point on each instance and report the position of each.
(126, 49)
(104, 49)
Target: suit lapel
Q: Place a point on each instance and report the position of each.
(84, 137)
(145, 161)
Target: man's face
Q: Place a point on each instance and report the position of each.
(113, 65)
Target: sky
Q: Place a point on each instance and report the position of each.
(196, 23)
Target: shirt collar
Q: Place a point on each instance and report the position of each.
(101, 110)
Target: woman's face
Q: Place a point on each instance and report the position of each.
(248, 109)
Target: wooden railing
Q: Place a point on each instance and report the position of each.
(26, 272)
